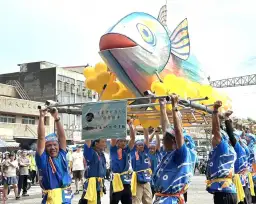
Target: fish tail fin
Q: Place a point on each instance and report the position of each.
(180, 43)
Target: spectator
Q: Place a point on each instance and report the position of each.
(23, 173)
(77, 166)
(10, 177)
(32, 167)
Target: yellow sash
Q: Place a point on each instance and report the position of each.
(227, 182)
(54, 196)
(239, 188)
(134, 180)
(251, 184)
(91, 192)
(117, 182)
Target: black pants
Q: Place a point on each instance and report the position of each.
(254, 197)
(32, 175)
(153, 191)
(225, 198)
(125, 196)
(22, 184)
(186, 197)
(84, 201)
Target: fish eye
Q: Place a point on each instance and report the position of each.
(146, 34)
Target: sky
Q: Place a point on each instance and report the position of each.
(67, 33)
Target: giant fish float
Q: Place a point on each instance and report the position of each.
(140, 49)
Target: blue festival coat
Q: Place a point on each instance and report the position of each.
(142, 163)
(122, 165)
(51, 179)
(221, 165)
(96, 163)
(173, 175)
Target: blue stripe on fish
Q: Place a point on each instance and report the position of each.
(178, 53)
(182, 46)
(177, 42)
(174, 37)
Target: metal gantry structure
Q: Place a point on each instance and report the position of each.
(247, 80)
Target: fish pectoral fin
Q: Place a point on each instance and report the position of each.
(180, 43)
(162, 16)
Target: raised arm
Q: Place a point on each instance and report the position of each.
(229, 128)
(157, 141)
(216, 124)
(41, 132)
(151, 137)
(146, 140)
(60, 131)
(88, 143)
(164, 118)
(132, 135)
(177, 123)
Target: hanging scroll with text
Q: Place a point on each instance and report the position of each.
(104, 120)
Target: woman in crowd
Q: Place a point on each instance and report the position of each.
(10, 178)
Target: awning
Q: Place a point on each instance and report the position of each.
(7, 144)
(12, 144)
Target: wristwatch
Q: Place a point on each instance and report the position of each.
(57, 120)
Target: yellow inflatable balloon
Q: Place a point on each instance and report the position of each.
(159, 88)
(101, 67)
(154, 123)
(103, 77)
(205, 90)
(179, 87)
(89, 72)
(169, 80)
(145, 123)
(112, 88)
(192, 90)
(90, 83)
(136, 122)
(106, 96)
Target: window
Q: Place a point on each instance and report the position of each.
(28, 120)
(7, 118)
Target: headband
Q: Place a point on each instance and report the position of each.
(139, 142)
(152, 144)
(170, 131)
(51, 138)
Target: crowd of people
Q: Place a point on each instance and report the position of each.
(18, 172)
(146, 171)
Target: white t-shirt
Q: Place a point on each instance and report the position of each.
(10, 169)
(77, 161)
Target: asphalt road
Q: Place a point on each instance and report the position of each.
(196, 194)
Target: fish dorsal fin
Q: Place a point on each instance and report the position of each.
(162, 16)
(180, 43)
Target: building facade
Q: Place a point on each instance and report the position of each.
(41, 81)
(19, 118)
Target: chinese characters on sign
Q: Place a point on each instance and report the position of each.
(104, 120)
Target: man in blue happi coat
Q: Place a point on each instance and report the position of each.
(52, 162)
